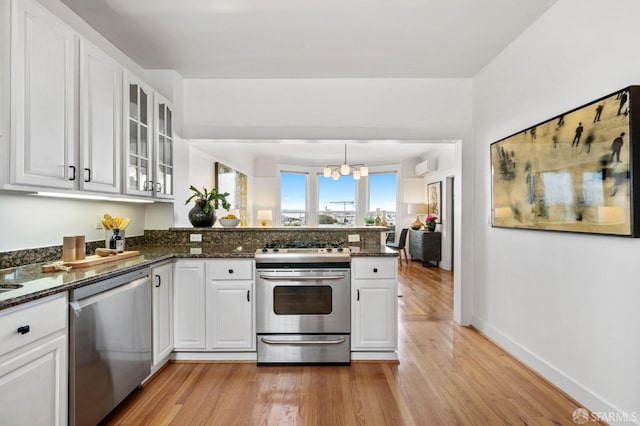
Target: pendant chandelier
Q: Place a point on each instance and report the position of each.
(335, 171)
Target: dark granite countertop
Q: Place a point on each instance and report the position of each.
(37, 284)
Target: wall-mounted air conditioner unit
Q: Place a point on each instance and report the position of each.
(430, 165)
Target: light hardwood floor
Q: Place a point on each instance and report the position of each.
(447, 375)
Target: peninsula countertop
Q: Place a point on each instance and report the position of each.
(37, 284)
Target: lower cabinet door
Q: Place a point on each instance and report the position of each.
(162, 279)
(230, 316)
(189, 305)
(33, 384)
(374, 315)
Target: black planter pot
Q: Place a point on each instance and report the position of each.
(200, 219)
(431, 228)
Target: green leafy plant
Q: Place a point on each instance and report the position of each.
(206, 199)
(430, 221)
(369, 220)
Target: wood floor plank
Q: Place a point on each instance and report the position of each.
(447, 375)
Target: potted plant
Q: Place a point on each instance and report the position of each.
(430, 223)
(203, 214)
(369, 221)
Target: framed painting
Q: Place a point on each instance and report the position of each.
(232, 181)
(434, 200)
(572, 173)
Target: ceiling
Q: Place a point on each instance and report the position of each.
(312, 38)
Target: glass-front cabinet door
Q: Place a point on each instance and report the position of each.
(163, 182)
(138, 144)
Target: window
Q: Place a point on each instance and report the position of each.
(293, 196)
(383, 196)
(336, 201)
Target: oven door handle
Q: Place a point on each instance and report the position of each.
(305, 278)
(302, 342)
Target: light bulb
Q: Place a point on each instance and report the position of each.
(356, 174)
(344, 169)
(335, 175)
(364, 171)
(327, 172)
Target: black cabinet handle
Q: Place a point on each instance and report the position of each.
(248, 296)
(158, 187)
(375, 270)
(24, 329)
(88, 179)
(159, 281)
(73, 172)
(358, 294)
(231, 271)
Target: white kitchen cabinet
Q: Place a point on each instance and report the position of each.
(230, 305)
(138, 137)
(33, 363)
(43, 81)
(163, 148)
(189, 305)
(374, 309)
(162, 279)
(100, 120)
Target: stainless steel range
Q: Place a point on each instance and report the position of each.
(303, 313)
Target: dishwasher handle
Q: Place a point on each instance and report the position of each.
(77, 305)
(108, 284)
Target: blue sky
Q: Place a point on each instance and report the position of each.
(293, 186)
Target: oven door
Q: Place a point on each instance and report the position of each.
(303, 301)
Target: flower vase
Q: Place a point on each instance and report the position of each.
(200, 219)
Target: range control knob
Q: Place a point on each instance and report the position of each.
(275, 250)
(340, 249)
(264, 249)
(329, 249)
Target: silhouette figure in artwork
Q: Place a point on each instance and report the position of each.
(623, 100)
(588, 141)
(554, 138)
(598, 113)
(576, 138)
(533, 133)
(560, 121)
(616, 147)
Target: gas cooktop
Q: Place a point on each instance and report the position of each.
(302, 251)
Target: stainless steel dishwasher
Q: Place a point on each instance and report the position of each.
(110, 344)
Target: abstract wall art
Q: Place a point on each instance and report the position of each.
(574, 173)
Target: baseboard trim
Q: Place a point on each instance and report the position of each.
(214, 356)
(374, 356)
(574, 389)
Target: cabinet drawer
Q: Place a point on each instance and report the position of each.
(231, 269)
(374, 268)
(42, 318)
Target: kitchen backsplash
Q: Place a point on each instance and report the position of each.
(15, 258)
(370, 238)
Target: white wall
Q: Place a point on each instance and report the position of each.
(566, 304)
(29, 221)
(327, 108)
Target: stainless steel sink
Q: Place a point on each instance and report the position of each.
(9, 287)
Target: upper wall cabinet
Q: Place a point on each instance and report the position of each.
(43, 66)
(163, 185)
(77, 121)
(100, 118)
(138, 137)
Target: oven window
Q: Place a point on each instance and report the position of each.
(302, 300)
